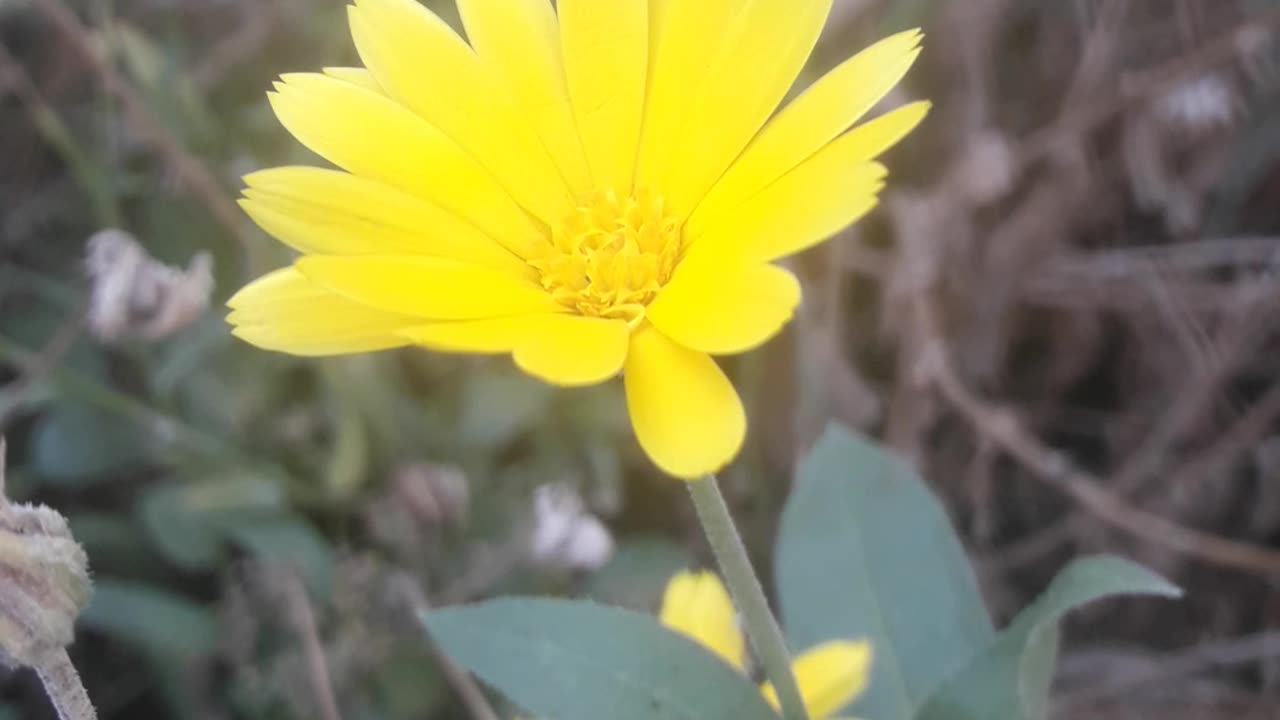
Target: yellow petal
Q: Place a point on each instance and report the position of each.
(606, 56)
(849, 154)
(427, 287)
(687, 416)
(566, 350)
(824, 111)
(824, 195)
(330, 212)
(830, 676)
(520, 41)
(423, 64)
(285, 311)
(684, 40)
(570, 350)
(763, 51)
(698, 605)
(355, 76)
(723, 308)
(491, 336)
(369, 135)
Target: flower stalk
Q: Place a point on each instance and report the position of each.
(761, 627)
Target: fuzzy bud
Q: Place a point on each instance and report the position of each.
(44, 581)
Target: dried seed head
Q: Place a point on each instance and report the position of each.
(44, 581)
(565, 535)
(137, 296)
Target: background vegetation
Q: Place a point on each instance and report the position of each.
(1064, 314)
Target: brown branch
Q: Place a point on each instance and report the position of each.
(1140, 87)
(1176, 666)
(460, 680)
(304, 624)
(39, 365)
(1149, 458)
(1056, 469)
(192, 175)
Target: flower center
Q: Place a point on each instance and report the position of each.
(609, 257)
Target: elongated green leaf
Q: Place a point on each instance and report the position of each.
(166, 625)
(866, 551)
(1011, 678)
(581, 661)
(289, 543)
(182, 519)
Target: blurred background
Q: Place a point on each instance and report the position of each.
(1065, 313)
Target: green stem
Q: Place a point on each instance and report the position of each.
(762, 629)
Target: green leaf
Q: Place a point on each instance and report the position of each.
(289, 543)
(1011, 678)
(498, 405)
(581, 661)
(183, 519)
(637, 573)
(348, 466)
(74, 443)
(866, 551)
(165, 625)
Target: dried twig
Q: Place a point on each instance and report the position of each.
(41, 364)
(259, 21)
(460, 680)
(1150, 457)
(1177, 666)
(304, 622)
(190, 172)
(1141, 87)
(1056, 469)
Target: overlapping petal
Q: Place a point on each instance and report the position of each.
(286, 312)
(685, 38)
(397, 39)
(829, 676)
(519, 40)
(370, 135)
(765, 46)
(606, 51)
(698, 605)
(329, 212)
(686, 414)
(825, 110)
(573, 350)
(562, 349)
(725, 307)
(824, 195)
(428, 287)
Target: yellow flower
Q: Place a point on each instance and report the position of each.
(830, 675)
(597, 189)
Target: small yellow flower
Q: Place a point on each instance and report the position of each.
(596, 189)
(830, 675)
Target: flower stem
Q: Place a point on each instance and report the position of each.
(762, 629)
(62, 683)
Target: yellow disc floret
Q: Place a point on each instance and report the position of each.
(610, 256)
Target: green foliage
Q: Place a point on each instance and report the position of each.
(187, 521)
(289, 544)
(866, 551)
(165, 626)
(637, 572)
(580, 661)
(1012, 676)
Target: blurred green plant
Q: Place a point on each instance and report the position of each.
(864, 551)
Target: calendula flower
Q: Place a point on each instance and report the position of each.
(830, 676)
(598, 188)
